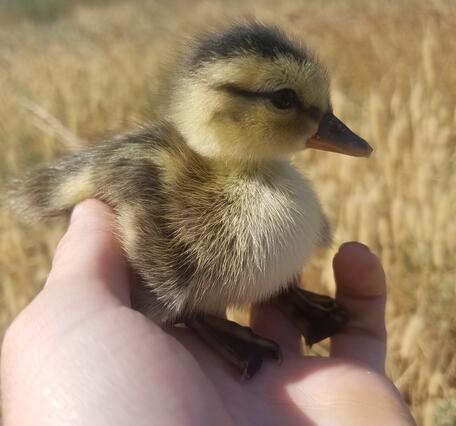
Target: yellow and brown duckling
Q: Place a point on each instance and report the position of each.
(209, 210)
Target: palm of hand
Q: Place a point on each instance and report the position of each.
(79, 355)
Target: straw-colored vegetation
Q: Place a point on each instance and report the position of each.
(95, 69)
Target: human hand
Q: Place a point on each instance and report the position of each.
(79, 355)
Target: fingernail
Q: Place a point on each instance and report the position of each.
(357, 244)
(365, 247)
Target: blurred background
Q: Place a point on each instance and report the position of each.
(72, 71)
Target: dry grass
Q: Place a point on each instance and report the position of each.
(96, 70)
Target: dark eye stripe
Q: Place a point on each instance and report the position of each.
(312, 111)
(236, 90)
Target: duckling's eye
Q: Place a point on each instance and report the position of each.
(284, 99)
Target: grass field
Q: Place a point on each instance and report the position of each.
(99, 68)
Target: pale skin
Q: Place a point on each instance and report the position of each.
(79, 355)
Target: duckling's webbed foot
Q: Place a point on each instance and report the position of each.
(237, 344)
(315, 315)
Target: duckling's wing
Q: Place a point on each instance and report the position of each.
(122, 169)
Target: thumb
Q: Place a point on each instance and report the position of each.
(88, 260)
(361, 289)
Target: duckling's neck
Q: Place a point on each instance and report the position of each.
(252, 167)
(223, 154)
(216, 155)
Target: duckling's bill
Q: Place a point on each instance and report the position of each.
(335, 136)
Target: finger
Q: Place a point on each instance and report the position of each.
(269, 322)
(88, 260)
(361, 289)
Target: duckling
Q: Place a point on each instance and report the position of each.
(209, 209)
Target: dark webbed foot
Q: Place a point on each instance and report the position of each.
(315, 315)
(237, 344)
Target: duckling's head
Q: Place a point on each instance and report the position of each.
(250, 93)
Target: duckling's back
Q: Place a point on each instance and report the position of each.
(106, 171)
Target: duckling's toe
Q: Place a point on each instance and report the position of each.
(239, 345)
(315, 315)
